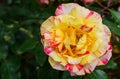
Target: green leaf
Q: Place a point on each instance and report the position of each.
(116, 15)
(47, 72)
(40, 55)
(9, 68)
(66, 75)
(26, 45)
(112, 26)
(111, 64)
(97, 74)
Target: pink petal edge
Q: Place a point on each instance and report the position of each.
(48, 50)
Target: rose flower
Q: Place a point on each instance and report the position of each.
(75, 39)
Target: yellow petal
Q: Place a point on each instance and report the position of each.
(73, 37)
(88, 59)
(82, 51)
(73, 60)
(56, 65)
(67, 44)
(81, 42)
(59, 35)
(96, 45)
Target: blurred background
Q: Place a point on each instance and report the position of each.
(21, 51)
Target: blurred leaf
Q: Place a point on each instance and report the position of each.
(9, 1)
(9, 68)
(20, 11)
(2, 10)
(97, 74)
(112, 26)
(66, 75)
(9, 37)
(26, 45)
(116, 15)
(27, 32)
(18, 1)
(3, 51)
(2, 32)
(48, 73)
(14, 62)
(111, 64)
(29, 21)
(16, 13)
(40, 55)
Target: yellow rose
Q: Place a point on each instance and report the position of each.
(75, 39)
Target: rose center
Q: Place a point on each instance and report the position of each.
(72, 41)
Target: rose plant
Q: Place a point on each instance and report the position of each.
(75, 39)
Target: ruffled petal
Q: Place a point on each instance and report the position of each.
(90, 67)
(74, 60)
(49, 51)
(65, 9)
(88, 59)
(105, 58)
(49, 22)
(56, 65)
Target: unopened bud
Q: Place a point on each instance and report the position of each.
(42, 2)
(88, 1)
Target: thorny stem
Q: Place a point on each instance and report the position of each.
(100, 4)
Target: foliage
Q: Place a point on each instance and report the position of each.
(21, 51)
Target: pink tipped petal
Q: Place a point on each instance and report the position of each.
(104, 48)
(65, 9)
(48, 50)
(59, 10)
(107, 31)
(89, 14)
(69, 67)
(79, 67)
(95, 16)
(105, 58)
(90, 67)
(110, 48)
(47, 35)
